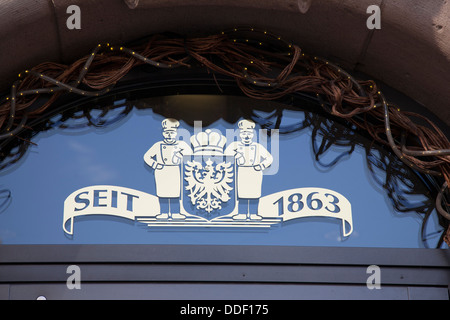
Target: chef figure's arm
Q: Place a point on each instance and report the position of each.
(233, 151)
(180, 151)
(150, 157)
(266, 157)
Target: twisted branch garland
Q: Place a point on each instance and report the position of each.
(251, 62)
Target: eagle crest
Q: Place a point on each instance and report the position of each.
(208, 185)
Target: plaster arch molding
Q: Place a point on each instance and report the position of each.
(411, 51)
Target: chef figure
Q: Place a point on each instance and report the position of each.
(251, 159)
(165, 157)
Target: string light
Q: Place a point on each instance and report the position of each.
(346, 96)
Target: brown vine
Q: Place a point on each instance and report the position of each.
(263, 70)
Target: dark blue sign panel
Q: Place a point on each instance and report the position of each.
(173, 178)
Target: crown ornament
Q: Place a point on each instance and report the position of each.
(208, 142)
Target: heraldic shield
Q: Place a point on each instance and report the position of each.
(208, 177)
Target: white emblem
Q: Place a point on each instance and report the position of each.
(208, 183)
(209, 186)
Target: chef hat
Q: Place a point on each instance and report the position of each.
(246, 125)
(170, 124)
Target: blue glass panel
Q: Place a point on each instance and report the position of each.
(95, 157)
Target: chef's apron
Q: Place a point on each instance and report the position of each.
(168, 182)
(249, 182)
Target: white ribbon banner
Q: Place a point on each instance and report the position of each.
(284, 205)
(108, 200)
(308, 202)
